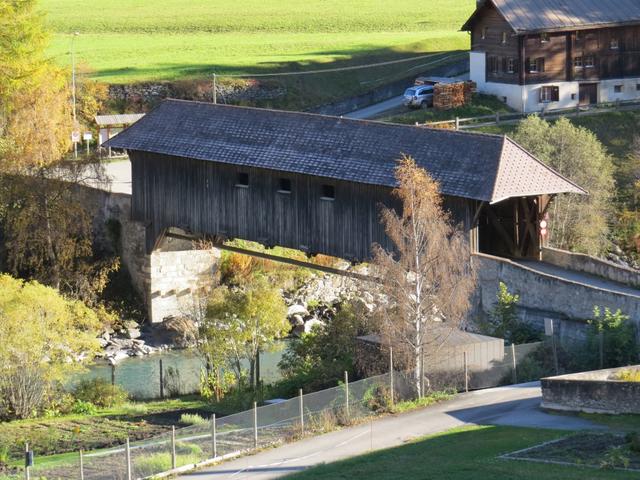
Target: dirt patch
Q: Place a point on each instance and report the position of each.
(596, 450)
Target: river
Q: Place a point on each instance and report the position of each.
(140, 376)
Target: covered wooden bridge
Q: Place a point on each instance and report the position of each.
(316, 183)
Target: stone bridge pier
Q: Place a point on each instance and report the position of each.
(172, 279)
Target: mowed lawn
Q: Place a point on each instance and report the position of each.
(137, 40)
(460, 454)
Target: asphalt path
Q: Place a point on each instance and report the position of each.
(376, 109)
(516, 405)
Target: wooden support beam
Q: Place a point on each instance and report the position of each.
(276, 258)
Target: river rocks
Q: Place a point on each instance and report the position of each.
(310, 324)
(297, 309)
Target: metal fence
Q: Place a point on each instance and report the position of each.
(281, 422)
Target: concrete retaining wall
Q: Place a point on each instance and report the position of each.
(588, 264)
(591, 392)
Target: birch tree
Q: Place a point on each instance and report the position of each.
(426, 279)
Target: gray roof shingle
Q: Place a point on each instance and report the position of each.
(530, 16)
(476, 166)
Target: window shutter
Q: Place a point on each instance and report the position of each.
(504, 64)
(527, 65)
(540, 64)
(555, 95)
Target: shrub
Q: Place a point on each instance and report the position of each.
(101, 393)
(504, 322)
(135, 409)
(81, 407)
(192, 419)
(619, 344)
(634, 441)
(377, 398)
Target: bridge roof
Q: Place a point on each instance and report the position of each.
(476, 166)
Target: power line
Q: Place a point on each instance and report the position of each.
(343, 69)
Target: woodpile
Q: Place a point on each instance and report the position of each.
(451, 95)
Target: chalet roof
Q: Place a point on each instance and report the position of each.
(476, 166)
(531, 16)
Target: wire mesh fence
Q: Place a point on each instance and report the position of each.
(287, 420)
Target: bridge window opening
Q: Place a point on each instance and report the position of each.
(284, 185)
(242, 180)
(328, 192)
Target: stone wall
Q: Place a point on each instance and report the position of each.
(240, 91)
(588, 264)
(172, 278)
(591, 392)
(546, 296)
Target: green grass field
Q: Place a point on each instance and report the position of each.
(137, 40)
(460, 454)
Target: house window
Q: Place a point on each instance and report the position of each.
(284, 185)
(613, 45)
(328, 192)
(638, 87)
(549, 94)
(618, 88)
(578, 36)
(544, 37)
(535, 65)
(242, 180)
(504, 37)
(577, 62)
(511, 65)
(493, 64)
(484, 32)
(589, 61)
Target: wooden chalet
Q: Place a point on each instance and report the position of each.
(545, 54)
(316, 183)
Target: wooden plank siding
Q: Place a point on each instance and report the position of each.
(558, 51)
(202, 197)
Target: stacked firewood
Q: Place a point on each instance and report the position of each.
(452, 95)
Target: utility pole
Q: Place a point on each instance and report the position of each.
(73, 91)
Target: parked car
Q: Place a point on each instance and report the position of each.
(419, 96)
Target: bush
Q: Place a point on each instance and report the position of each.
(100, 393)
(377, 398)
(634, 441)
(618, 338)
(80, 407)
(504, 322)
(192, 419)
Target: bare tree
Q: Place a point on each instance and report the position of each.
(427, 280)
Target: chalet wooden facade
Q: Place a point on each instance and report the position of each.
(544, 54)
(316, 183)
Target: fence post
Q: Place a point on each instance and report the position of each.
(466, 372)
(213, 436)
(173, 448)
(113, 374)
(457, 123)
(497, 118)
(161, 380)
(128, 457)
(255, 425)
(27, 472)
(81, 466)
(601, 348)
(514, 363)
(346, 394)
(392, 395)
(301, 413)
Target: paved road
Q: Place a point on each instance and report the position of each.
(376, 110)
(516, 405)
